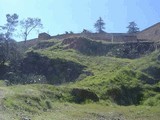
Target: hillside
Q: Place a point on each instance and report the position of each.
(80, 78)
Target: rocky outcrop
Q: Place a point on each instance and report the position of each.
(124, 50)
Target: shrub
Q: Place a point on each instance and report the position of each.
(153, 101)
(125, 95)
(49, 104)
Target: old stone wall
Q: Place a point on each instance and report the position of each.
(120, 37)
(150, 34)
(44, 36)
(115, 37)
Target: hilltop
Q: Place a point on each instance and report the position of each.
(150, 34)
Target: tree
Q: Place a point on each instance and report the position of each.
(66, 32)
(132, 28)
(71, 32)
(29, 25)
(10, 26)
(99, 25)
(5, 37)
(3, 51)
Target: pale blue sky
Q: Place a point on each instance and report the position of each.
(59, 16)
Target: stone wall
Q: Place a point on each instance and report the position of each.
(115, 37)
(44, 36)
(150, 34)
(99, 36)
(64, 36)
(123, 37)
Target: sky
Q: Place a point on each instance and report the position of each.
(59, 16)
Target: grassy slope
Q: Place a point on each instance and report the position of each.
(30, 101)
(51, 100)
(107, 71)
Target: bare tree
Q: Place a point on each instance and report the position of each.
(29, 25)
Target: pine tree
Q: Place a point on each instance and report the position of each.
(99, 25)
(132, 28)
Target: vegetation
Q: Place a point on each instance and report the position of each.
(132, 28)
(99, 25)
(30, 101)
(8, 47)
(9, 27)
(29, 25)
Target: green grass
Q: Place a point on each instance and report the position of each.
(94, 112)
(28, 101)
(2, 83)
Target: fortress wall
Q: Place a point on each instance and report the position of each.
(124, 38)
(151, 34)
(117, 37)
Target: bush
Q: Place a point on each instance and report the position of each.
(153, 101)
(125, 95)
(125, 88)
(49, 104)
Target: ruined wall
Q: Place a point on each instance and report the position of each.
(94, 36)
(123, 37)
(64, 36)
(44, 36)
(116, 37)
(99, 36)
(150, 34)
